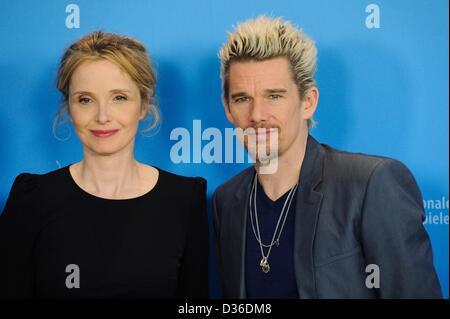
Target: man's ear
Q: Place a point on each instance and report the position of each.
(226, 106)
(309, 103)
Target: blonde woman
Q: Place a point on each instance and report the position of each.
(107, 226)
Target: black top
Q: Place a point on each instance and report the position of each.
(52, 233)
(280, 281)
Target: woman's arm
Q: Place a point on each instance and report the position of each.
(17, 233)
(193, 280)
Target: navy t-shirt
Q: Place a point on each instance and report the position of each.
(280, 281)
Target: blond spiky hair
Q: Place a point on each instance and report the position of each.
(265, 38)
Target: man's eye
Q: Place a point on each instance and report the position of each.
(120, 98)
(241, 99)
(84, 100)
(274, 96)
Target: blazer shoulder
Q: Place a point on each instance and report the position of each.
(343, 165)
(230, 186)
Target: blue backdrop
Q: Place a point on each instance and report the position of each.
(382, 76)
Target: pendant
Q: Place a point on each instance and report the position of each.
(264, 265)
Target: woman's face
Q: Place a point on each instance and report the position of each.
(105, 106)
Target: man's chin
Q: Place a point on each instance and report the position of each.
(267, 164)
(262, 158)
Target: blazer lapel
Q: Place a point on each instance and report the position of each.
(306, 215)
(238, 222)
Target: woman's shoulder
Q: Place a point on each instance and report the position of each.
(29, 200)
(24, 184)
(27, 183)
(188, 194)
(184, 188)
(181, 184)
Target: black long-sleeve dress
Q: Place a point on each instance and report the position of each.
(58, 241)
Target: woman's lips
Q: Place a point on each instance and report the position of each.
(103, 133)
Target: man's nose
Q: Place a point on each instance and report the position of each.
(258, 112)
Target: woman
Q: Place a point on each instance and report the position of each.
(107, 226)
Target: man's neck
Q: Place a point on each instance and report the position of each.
(288, 171)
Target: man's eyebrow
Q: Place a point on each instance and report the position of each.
(272, 91)
(269, 91)
(238, 94)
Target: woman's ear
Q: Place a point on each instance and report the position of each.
(145, 105)
(67, 109)
(144, 109)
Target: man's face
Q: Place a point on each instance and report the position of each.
(263, 94)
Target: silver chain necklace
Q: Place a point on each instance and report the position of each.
(264, 263)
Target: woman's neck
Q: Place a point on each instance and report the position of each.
(109, 176)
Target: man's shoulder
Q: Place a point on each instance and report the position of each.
(344, 165)
(355, 160)
(338, 166)
(230, 186)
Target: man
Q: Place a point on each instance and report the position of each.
(325, 223)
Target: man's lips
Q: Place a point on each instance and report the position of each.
(260, 131)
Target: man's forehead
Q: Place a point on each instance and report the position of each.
(268, 74)
(260, 66)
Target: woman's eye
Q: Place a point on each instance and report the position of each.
(84, 100)
(120, 98)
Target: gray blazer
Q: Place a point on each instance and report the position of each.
(352, 210)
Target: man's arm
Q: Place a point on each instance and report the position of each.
(216, 228)
(393, 236)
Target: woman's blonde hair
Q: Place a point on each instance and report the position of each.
(265, 38)
(129, 54)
